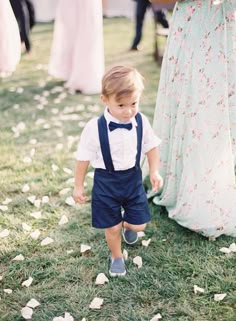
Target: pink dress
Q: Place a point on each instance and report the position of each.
(77, 54)
(10, 43)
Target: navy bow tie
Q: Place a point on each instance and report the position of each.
(112, 126)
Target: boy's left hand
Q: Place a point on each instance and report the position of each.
(156, 181)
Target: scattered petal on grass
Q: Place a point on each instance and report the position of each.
(96, 303)
(27, 160)
(63, 220)
(46, 241)
(31, 199)
(232, 247)
(125, 255)
(83, 319)
(37, 203)
(27, 313)
(36, 215)
(1, 277)
(35, 234)
(33, 303)
(25, 188)
(4, 233)
(138, 261)
(55, 167)
(101, 279)
(69, 251)
(67, 317)
(197, 289)
(156, 317)
(45, 199)
(146, 242)
(33, 141)
(70, 201)
(3, 208)
(27, 282)
(67, 170)
(32, 152)
(164, 240)
(220, 296)
(84, 248)
(90, 174)
(65, 191)
(26, 227)
(7, 291)
(19, 257)
(7, 201)
(141, 234)
(225, 250)
(71, 181)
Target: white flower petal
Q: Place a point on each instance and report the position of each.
(69, 251)
(68, 317)
(232, 247)
(46, 241)
(63, 220)
(220, 296)
(146, 242)
(35, 234)
(7, 201)
(55, 167)
(32, 303)
(33, 141)
(96, 303)
(225, 250)
(101, 279)
(65, 191)
(36, 215)
(31, 199)
(25, 188)
(70, 201)
(3, 208)
(141, 234)
(197, 289)
(67, 170)
(4, 233)
(1, 277)
(84, 248)
(27, 160)
(45, 199)
(90, 174)
(26, 227)
(27, 313)
(27, 282)
(125, 255)
(156, 317)
(37, 203)
(7, 291)
(19, 257)
(138, 261)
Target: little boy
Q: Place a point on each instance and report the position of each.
(113, 144)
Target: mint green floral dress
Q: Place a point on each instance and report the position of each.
(195, 117)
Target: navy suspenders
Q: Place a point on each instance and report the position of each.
(104, 142)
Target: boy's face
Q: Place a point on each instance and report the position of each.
(124, 109)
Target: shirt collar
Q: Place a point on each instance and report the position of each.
(109, 118)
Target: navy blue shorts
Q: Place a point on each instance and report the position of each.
(115, 191)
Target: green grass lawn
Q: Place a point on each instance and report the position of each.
(40, 125)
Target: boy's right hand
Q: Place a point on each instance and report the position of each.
(79, 195)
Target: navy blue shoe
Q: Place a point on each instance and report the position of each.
(130, 237)
(117, 267)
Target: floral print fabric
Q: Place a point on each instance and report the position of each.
(195, 117)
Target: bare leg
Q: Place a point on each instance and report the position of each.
(113, 238)
(136, 228)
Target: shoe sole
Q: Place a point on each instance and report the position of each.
(113, 274)
(129, 243)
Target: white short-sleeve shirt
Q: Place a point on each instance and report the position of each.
(123, 143)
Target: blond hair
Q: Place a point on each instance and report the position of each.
(122, 81)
